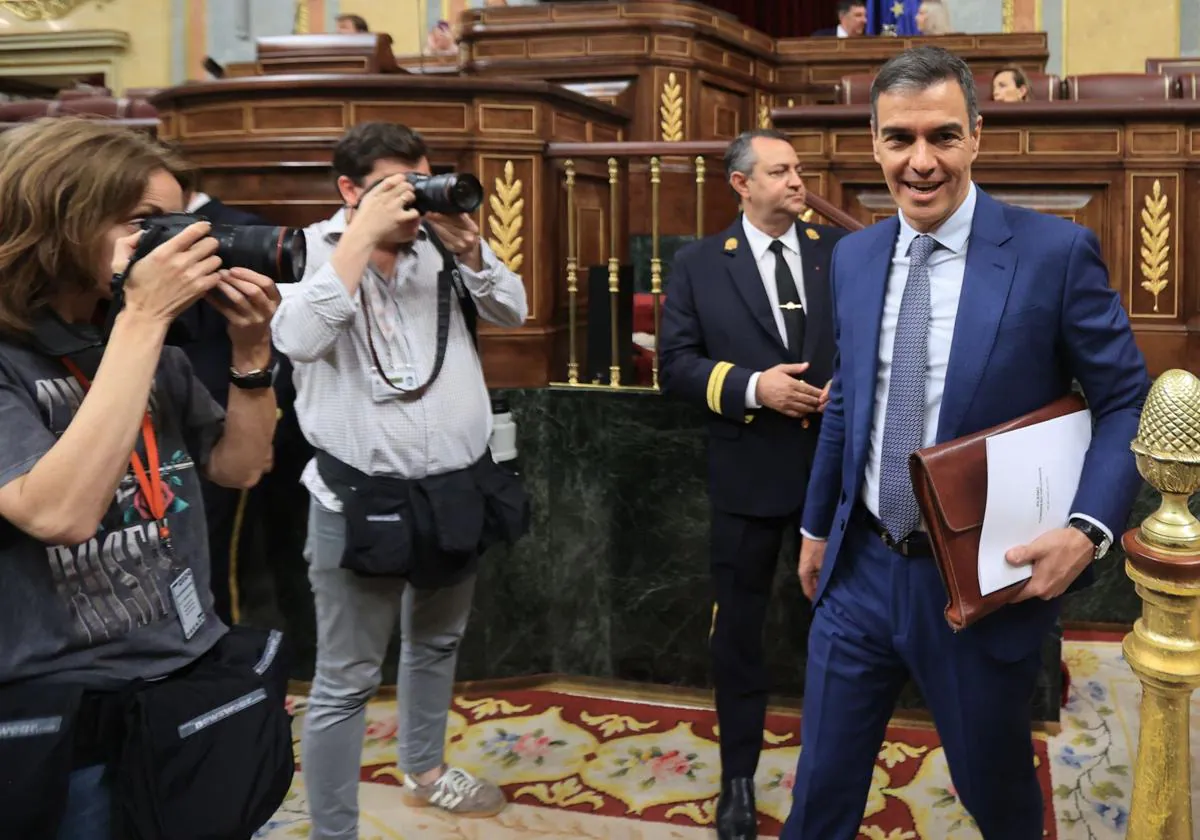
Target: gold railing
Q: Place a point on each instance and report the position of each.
(652, 163)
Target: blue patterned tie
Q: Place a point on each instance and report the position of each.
(904, 427)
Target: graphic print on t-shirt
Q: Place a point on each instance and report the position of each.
(119, 580)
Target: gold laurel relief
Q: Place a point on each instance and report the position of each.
(1008, 15)
(42, 9)
(671, 110)
(764, 115)
(300, 22)
(507, 219)
(1156, 234)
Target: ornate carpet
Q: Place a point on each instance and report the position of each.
(579, 765)
(636, 767)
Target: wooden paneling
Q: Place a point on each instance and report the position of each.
(585, 44)
(1126, 170)
(265, 144)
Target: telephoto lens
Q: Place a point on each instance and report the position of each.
(275, 252)
(452, 192)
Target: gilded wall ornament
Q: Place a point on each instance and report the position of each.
(507, 219)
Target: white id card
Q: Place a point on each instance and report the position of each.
(187, 603)
(404, 378)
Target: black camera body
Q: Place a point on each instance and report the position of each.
(449, 193)
(279, 253)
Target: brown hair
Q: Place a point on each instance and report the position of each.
(359, 23)
(63, 183)
(1019, 78)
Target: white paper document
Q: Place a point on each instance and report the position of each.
(1032, 476)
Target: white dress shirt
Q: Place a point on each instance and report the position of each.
(947, 266)
(841, 32)
(764, 258)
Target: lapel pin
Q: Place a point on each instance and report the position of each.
(812, 234)
(731, 244)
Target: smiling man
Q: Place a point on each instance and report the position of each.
(958, 314)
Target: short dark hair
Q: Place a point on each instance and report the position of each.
(739, 156)
(844, 6)
(920, 68)
(1019, 77)
(366, 144)
(359, 23)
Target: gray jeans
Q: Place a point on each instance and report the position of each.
(356, 618)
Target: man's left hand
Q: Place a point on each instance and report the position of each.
(248, 301)
(1058, 557)
(460, 235)
(823, 400)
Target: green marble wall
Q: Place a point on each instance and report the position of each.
(613, 580)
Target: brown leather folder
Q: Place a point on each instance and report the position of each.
(950, 482)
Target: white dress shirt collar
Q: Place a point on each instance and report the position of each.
(197, 201)
(951, 234)
(759, 242)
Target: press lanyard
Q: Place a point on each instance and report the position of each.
(150, 480)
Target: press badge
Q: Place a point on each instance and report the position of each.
(403, 378)
(187, 603)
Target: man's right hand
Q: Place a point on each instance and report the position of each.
(812, 556)
(384, 209)
(778, 389)
(174, 275)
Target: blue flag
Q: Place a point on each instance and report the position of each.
(901, 14)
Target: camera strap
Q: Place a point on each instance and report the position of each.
(449, 284)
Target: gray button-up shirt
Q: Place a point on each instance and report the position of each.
(321, 328)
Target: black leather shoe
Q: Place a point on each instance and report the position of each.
(737, 818)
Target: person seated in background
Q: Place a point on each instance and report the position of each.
(933, 18)
(852, 20)
(351, 25)
(441, 39)
(1010, 85)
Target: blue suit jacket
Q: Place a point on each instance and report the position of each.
(717, 330)
(1036, 312)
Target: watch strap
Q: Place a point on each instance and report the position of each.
(1092, 532)
(251, 380)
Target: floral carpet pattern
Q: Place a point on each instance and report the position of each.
(578, 766)
(1091, 767)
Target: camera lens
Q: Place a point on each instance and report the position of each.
(465, 193)
(276, 252)
(451, 192)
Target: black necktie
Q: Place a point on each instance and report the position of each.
(789, 301)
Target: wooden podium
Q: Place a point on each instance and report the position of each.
(265, 143)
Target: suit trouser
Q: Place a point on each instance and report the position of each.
(745, 556)
(879, 621)
(356, 618)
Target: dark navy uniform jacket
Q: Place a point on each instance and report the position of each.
(717, 330)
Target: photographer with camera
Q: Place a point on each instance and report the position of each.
(405, 495)
(106, 619)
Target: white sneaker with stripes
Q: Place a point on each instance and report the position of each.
(456, 792)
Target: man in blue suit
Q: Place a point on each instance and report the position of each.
(746, 334)
(959, 314)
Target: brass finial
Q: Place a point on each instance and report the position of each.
(1168, 457)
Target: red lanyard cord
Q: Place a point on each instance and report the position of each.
(150, 480)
